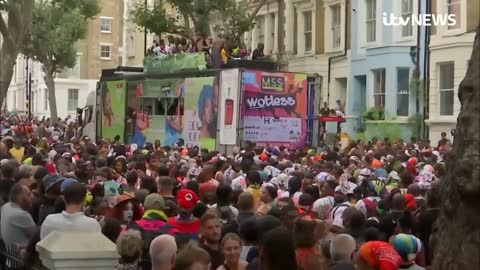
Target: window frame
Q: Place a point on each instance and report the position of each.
(109, 45)
(69, 99)
(382, 92)
(405, 14)
(335, 10)
(442, 90)
(105, 19)
(308, 46)
(404, 92)
(371, 22)
(458, 19)
(78, 63)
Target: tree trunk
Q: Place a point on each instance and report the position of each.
(457, 230)
(188, 30)
(8, 57)
(14, 33)
(52, 100)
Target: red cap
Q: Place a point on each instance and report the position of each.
(186, 198)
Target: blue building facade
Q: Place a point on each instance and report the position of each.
(383, 61)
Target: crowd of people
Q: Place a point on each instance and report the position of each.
(217, 52)
(370, 206)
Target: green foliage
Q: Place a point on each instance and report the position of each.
(374, 113)
(236, 22)
(155, 20)
(198, 12)
(57, 27)
(416, 87)
(416, 121)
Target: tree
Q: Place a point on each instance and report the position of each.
(14, 32)
(197, 13)
(457, 236)
(59, 24)
(154, 20)
(236, 20)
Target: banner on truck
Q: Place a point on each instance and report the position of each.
(160, 114)
(229, 82)
(200, 112)
(274, 108)
(113, 98)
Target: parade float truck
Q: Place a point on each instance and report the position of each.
(176, 98)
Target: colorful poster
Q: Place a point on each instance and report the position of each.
(229, 82)
(274, 108)
(113, 109)
(200, 114)
(160, 116)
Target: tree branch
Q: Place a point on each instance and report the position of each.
(256, 10)
(4, 31)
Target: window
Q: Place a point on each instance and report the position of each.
(45, 99)
(271, 40)
(106, 24)
(371, 20)
(407, 11)
(75, 70)
(105, 51)
(454, 7)
(446, 88)
(260, 29)
(307, 30)
(336, 26)
(402, 91)
(379, 88)
(72, 99)
(162, 106)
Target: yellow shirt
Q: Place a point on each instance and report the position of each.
(18, 153)
(224, 55)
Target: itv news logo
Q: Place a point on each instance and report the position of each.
(420, 20)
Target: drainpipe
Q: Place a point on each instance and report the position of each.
(426, 71)
(338, 57)
(145, 34)
(416, 73)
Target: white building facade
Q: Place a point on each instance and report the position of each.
(450, 48)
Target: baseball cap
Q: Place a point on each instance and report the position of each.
(50, 180)
(154, 201)
(66, 182)
(187, 198)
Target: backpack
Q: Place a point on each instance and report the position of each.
(148, 236)
(371, 207)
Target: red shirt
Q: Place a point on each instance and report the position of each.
(191, 227)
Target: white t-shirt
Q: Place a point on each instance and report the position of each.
(363, 207)
(239, 183)
(336, 214)
(322, 206)
(64, 221)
